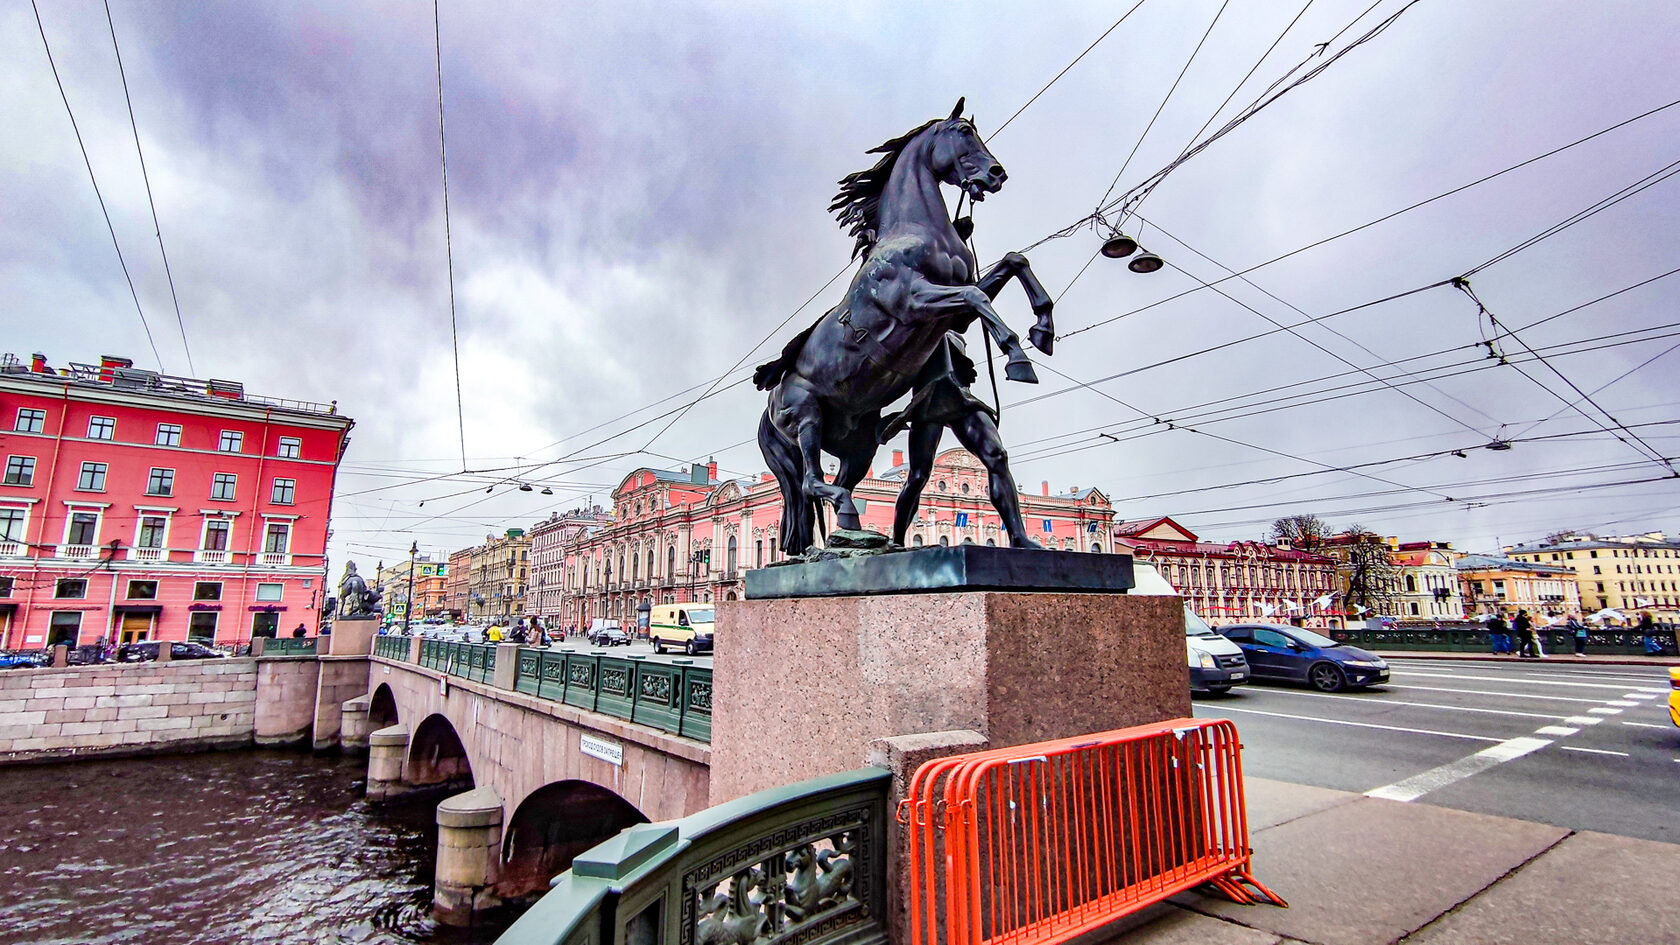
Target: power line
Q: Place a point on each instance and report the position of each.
(144, 176)
(95, 181)
(1065, 68)
(448, 240)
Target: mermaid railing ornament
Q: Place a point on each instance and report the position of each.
(898, 331)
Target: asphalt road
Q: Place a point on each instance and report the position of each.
(1584, 747)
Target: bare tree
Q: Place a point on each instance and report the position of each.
(1302, 531)
(1373, 578)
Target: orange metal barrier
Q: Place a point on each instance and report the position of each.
(1042, 843)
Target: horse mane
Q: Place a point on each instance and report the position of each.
(858, 203)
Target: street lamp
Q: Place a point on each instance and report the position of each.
(408, 603)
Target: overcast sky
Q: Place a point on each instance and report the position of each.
(638, 193)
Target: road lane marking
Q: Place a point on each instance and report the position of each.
(1508, 695)
(1584, 719)
(1434, 779)
(1386, 728)
(1624, 703)
(1639, 695)
(1358, 700)
(1532, 682)
(1642, 724)
(1595, 751)
(1524, 671)
(1555, 730)
(1601, 710)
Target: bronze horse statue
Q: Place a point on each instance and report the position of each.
(918, 281)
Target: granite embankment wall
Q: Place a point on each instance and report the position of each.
(136, 708)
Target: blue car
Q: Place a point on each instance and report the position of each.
(1296, 654)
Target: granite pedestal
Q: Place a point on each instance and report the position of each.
(803, 685)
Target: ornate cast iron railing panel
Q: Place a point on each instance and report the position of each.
(672, 695)
(803, 864)
(391, 647)
(1613, 641)
(289, 646)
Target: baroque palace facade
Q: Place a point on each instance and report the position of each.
(678, 537)
(1236, 581)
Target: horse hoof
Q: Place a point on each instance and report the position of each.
(1022, 371)
(1042, 339)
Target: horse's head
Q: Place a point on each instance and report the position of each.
(960, 158)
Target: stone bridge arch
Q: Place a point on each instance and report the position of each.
(437, 756)
(552, 825)
(382, 708)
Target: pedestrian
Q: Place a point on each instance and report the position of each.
(1578, 630)
(1648, 634)
(1499, 634)
(1529, 644)
(299, 633)
(495, 635)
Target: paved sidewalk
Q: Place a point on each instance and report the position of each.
(1565, 658)
(1363, 871)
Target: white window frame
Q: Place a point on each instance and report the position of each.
(34, 466)
(104, 475)
(279, 591)
(274, 491)
(206, 555)
(159, 439)
(98, 513)
(276, 558)
(234, 494)
(150, 477)
(107, 425)
(18, 425)
(16, 547)
(238, 442)
(289, 447)
(161, 553)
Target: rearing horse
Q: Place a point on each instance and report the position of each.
(917, 281)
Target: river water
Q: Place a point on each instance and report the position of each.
(228, 847)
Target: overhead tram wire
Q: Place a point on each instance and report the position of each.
(95, 181)
(1294, 308)
(1164, 99)
(1603, 387)
(1067, 67)
(147, 179)
(448, 239)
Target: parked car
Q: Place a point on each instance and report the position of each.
(1296, 654)
(1674, 696)
(20, 661)
(1216, 664)
(146, 652)
(607, 633)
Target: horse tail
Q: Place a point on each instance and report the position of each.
(789, 470)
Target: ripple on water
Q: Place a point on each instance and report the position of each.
(236, 847)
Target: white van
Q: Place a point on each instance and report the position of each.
(1216, 664)
(686, 626)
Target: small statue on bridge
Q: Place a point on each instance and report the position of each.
(355, 598)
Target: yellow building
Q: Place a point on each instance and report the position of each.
(497, 578)
(1494, 584)
(1629, 574)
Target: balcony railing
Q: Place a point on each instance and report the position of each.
(275, 559)
(12, 549)
(78, 551)
(206, 556)
(148, 554)
(672, 695)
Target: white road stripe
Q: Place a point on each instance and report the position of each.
(1584, 719)
(1509, 695)
(1386, 728)
(1639, 695)
(1643, 724)
(1555, 730)
(1624, 703)
(1596, 751)
(1601, 710)
(1522, 671)
(1373, 700)
(1531, 682)
(1418, 785)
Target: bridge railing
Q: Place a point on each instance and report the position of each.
(391, 647)
(475, 661)
(1618, 641)
(803, 864)
(290, 646)
(673, 695)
